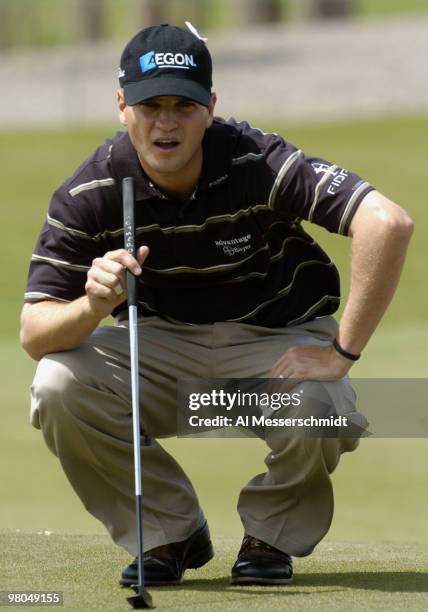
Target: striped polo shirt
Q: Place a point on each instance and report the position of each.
(235, 251)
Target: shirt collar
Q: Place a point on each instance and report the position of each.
(125, 162)
(217, 147)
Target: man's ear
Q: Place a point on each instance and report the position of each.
(121, 106)
(211, 110)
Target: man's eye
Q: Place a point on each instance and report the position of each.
(187, 104)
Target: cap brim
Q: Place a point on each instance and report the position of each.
(165, 86)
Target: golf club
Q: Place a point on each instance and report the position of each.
(142, 599)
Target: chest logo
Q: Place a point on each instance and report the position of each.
(235, 246)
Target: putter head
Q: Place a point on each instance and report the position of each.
(141, 600)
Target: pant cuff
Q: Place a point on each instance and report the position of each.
(286, 544)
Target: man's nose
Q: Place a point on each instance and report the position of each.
(167, 118)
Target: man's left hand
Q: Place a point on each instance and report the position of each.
(311, 363)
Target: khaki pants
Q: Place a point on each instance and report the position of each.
(81, 400)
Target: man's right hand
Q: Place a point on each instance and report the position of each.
(50, 326)
(106, 283)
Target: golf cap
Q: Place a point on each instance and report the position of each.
(166, 60)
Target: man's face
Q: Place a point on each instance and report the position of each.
(167, 133)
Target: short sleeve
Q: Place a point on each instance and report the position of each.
(315, 189)
(64, 252)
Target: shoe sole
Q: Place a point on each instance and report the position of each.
(193, 562)
(247, 580)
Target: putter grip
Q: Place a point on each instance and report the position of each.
(128, 194)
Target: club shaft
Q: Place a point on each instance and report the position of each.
(139, 513)
(128, 187)
(135, 389)
(136, 428)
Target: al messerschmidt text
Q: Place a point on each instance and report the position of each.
(263, 421)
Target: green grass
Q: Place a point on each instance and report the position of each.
(340, 576)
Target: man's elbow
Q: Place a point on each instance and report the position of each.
(399, 225)
(29, 344)
(377, 215)
(27, 336)
(392, 225)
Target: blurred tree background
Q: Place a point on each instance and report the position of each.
(47, 23)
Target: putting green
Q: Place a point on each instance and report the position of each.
(337, 576)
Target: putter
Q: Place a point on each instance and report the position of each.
(142, 599)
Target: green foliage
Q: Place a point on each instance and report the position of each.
(377, 8)
(39, 23)
(46, 23)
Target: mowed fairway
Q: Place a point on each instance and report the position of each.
(375, 554)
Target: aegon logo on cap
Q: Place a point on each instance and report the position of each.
(152, 60)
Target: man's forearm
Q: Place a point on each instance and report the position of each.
(377, 261)
(48, 327)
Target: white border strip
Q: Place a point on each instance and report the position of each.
(189, 270)
(285, 290)
(59, 263)
(281, 174)
(74, 232)
(329, 173)
(91, 185)
(237, 161)
(155, 226)
(350, 206)
(39, 295)
(313, 308)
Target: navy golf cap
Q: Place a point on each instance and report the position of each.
(166, 60)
